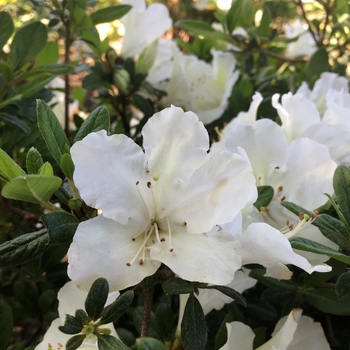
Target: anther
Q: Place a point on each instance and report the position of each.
(287, 222)
(162, 239)
(291, 226)
(137, 182)
(128, 264)
(149, 184)
(171, 250)
(280, 189)
(141, 262)
(283, 198)
(300, 216)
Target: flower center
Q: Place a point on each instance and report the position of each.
(146, 235)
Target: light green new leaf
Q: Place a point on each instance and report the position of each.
(34, 161)
(49, 55)
(9, 167)
(109, 14)
(6, 28)
(51, 131)
(46, 169)
(32, 188)
(318, 248)
(27, 43)
(97, 120)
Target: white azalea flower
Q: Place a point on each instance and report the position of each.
(143, 25)
(70, 298)
(158, 206)
(202, 87)
(300, 173)
(304, 45)
(292, 332)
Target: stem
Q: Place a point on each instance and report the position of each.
(146, 316)
(66, 78)
(283, 58)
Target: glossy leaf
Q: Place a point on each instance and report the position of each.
(265, 195)
(74, 342)
(96, 298)
(32, 188)
(61, 226)
(342, 287)
(109, 14)
(98, 119)
(51, 131)
(108, 342)
(27, 43)
(177, 285)
(9, 167)
(193, 325)
(71, 325)
(24, 248)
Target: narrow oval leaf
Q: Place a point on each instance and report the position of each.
(342, 287)
(341, 185)
(149, 344)
(96, 298)
(27, 43)
(61, 226)
(9, 167)
(97, 120)
(56, 69)
(265, 195)
(318, 248)
(34, 161)
(81, 315)
(51, 131)
(46, 169)
(233, 15)
(317, 64)
(117, 308)
(6, 28)
(6, 322)
(13, 98)
(193, 325)
(108, 342)
(16, 122)
(33, 86)
(32, 188)
(197, 27)
(177, 285)
(24, 248)
(230, 293)
(67, 165)
(109, 14)
(74, 342)
(71, 325)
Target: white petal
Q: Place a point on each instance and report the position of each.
(106, 171)
(210, 258)
(224, 181)
(239, 337)
(101, 248)
(284, 336)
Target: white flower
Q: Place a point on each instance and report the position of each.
(201, 87)
(294, 332)
(158, 206)
(143, 25)
(304, 45)
(70, 298)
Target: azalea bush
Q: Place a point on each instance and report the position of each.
(174, 176)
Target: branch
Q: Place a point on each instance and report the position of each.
(146, 316)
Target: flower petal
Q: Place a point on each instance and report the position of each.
(239, 337)
(101, 248)
(106, 170)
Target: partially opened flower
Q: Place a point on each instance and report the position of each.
(292, 332)
(202, 87)
(70, 298)
(143, 25)
(158, 206)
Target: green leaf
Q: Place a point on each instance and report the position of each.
(342, 7)
(55, 69)
(46, 300)
(317, 64)
(265, 195)
(221, 336)
(24, 248)
(282, 285)
(6, 70)
(318, 248)
(200, 28)
(110, 13)
(149, 281)
(27, 43)
(264, 28)
(230, 293)
(177, 285)
(71, 325)
(165, 321)
(61, 226)
(108, 342)
(149, 344)
(51, 131)
(46, 169)
(81, 316)
(34, 161)
(74, 342)
(326, 300)
(193, 325)
(36, 189)
(233, 15)
(341, 185)
(11, 99)
(49, 55)
(6, 28)
(147, 57)
(6, 318)
(67, 165)
(16, 122)
(96, 298)
(9, 167)
(32, 87)
(342, 287)
(97, 120)
(117, 308)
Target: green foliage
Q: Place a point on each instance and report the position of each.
(109, 14)
(265, 195)
(97, 297)
(6, 324)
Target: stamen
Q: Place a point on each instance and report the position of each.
(156, 230)
(143, 201)
(169, 231)
(142, 231)
(306, 221)
(148, 235)
(280, 189)
(283, 198)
